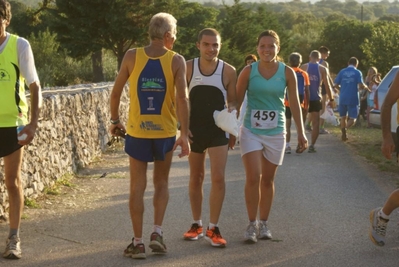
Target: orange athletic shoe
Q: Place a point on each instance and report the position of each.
(194, 233)
(215, 238)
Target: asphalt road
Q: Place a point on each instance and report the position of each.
(319, 218)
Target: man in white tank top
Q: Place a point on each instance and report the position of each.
(211, 87)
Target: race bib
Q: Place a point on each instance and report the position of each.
(264, 119)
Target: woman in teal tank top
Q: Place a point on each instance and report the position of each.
(262, 137)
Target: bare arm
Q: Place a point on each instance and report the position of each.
(123, 75)
(182, 106)
(230, 81)
(242, 85)
(35, 106)
(388, 145)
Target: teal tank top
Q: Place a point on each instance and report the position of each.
(265, 114)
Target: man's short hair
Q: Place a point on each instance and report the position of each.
(315, 54)
(5, 10)
(295, 59)
(324, 50)
(160, 24)
(353, 61)
(207, 31)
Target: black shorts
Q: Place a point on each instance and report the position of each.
(288, 114)
(8, 141)
(201, 140)
(315, 106)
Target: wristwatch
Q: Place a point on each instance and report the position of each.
(114, 121)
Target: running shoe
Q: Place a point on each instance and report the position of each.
(135, 252)
(156, 244)
(251, 233)
(264, 232)
(215, 238)
(194, 233)
(288, 150)
(378, 228)
(13, 248)
(311, 149)
(308, 128)
(323, 131)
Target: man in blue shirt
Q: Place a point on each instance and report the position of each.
(350, 80)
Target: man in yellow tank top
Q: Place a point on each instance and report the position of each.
(158, 99)
(17, 68)
(379, 217)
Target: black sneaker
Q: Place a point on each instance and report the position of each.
(156, 244)
(135, 252)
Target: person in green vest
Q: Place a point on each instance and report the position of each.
(17, 68)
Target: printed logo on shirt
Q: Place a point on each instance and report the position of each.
(150, 126)
(4, 76)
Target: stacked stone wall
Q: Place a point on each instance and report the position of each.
(72, 131)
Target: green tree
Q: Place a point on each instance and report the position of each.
(344, 39)
(380, 48)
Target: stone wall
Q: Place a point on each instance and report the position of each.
(72, 131)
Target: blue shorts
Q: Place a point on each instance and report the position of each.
(370, 102)
(352, 111)
(148, 150)
(8, 141)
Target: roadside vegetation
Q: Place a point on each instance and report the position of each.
(77, 41)
(366, 142)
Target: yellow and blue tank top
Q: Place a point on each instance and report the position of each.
(265, 114)
(13, 103)
(152, 112)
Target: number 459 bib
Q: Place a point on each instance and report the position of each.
(264, 119)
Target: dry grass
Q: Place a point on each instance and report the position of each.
(366, 142)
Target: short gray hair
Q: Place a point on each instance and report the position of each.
(160, 24)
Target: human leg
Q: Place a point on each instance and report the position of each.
(197, 175)
(12, 171)
(315, 118)
(323, 108)
(252, 163)
(138, 184)
(218, 159)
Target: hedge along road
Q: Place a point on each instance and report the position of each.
(319, 217)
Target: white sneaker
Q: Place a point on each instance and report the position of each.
(13, 248)
(251, 233)
(264, 232)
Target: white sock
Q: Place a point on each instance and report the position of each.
(263, 222)
(383, 215)
(287, 144)
(199, 222)
(158, 229)
(211, 225)
(254, 223)
(137, 241)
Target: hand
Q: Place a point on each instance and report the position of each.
(331, 104)
(183, 142)
(232, 141)
(302, 143)
(387, 147)
(117, 129)
(29, 130)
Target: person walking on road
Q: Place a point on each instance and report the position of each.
(16, 131)
(318, 74)
(295, 60)
(262, 137)
(158, 90)
(379, 217)
(350, 81)
(211, 87)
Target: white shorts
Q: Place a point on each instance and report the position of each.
(271, 145)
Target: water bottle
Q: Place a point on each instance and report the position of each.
(20, 126)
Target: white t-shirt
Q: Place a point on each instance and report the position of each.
(25, 55)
